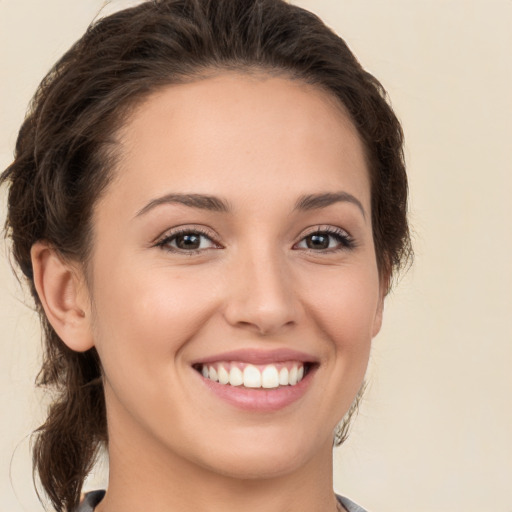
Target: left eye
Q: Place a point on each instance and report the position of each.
(187, 241)
(323, 240)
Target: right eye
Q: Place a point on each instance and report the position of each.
(190, 241)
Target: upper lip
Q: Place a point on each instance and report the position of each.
(259, 356)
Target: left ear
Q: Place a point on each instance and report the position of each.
(383, 290)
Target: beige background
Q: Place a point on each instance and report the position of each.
(435, 430)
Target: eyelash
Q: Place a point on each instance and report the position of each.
(164, 242)
(345, 241)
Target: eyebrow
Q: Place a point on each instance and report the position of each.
(203, 202)
(317, 201)
(215, 204)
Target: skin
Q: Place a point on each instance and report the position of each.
(259, 143)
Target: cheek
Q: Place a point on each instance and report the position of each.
(145, 317)
(341, 308)
(142, 325)
(345, 304)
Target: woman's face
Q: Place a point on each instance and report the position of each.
(235, 243)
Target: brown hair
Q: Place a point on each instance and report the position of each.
(64, 159)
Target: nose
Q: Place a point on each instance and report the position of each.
(260, 294)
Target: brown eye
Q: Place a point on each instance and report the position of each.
(317, 241)
(189, 241)
(327, 241)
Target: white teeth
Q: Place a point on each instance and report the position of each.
(267, 377)
(270, 377)
(212, 373)
(236, 377)
(292, 376)
(223, 375)
(252, 377)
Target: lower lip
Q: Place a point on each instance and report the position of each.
(260, 399)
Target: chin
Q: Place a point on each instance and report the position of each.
(258, 467)
(264, 456)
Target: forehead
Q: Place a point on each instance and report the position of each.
(236, 134)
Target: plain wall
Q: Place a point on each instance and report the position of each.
(434, 433)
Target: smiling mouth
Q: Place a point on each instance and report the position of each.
(246, 375)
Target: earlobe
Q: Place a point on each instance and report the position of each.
(63, 296)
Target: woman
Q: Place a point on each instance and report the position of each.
(208, 200)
